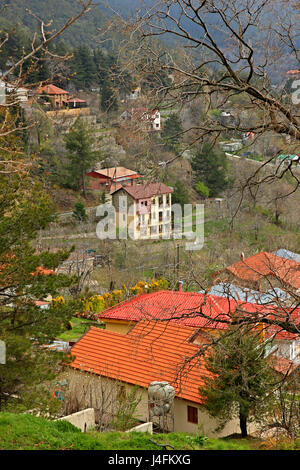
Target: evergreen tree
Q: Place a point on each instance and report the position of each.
(180, 194)
(108, 98)
(202, 189)
(26, 276)
(172, 129)
(83, 67)
(79, 141)
(210, 167)
(241, 381)
(79, 212)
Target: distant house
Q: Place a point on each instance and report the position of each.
(135, 94)
(60, 99)
(107, 179)
(287, 254)
(57, 96)
(294, 159)
(263, 270)
(231, 146)
(150, 213)
(142, 118)
(231, 291)
(16, 93)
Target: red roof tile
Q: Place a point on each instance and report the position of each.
(150, 351)
(180, 307)
(184, 307)
(114, 172)
(146, 190)
(53, 90)
(283, 365)
(263, 264)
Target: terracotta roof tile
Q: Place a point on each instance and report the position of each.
(146, 190)
(53, 90)
(150, 351)
(183, 308)
(267, 264)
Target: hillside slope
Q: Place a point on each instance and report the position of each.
(83, 31)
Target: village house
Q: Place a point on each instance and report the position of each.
(57, 96)
(184, 308)
(151, 351)
(142, 118)
(14, 92)
(59, 100)
(261, 271)
(106, 179)
(149, 207)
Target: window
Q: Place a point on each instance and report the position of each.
(192, 414)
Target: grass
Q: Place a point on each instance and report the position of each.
(27, 432)
(79, 327)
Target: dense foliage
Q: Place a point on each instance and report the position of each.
(242, 381)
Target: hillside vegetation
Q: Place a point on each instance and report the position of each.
(82, 31)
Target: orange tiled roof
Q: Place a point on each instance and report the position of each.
(146, 190)
(150, 351)
(183, 308)
(115, 172)
(44, 271)
(283, 365)
(264, 264)
(53, 90)
(178, 306)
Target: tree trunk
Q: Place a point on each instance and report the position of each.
(243, 424)
(83, 184)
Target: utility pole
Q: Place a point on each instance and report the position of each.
(2, 352)
(178, 262)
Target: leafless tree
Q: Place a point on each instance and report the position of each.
(227, 56)
(16, 77)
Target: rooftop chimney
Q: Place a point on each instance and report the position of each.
(180, 286)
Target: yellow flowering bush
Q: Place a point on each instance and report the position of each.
(97, 303)
(59, 300)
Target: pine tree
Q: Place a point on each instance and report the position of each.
(171, 131)
(180, 194)
(108, 97)
(79, 212)
(79, 141)
(26, 276)
(241, 380)
(210, 167)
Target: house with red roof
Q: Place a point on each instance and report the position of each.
(109, 179)
(60, 99)
(142, 118)
(208, 314)
(145, 207)
(57, 96)
(262, 271)
(151, 351)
